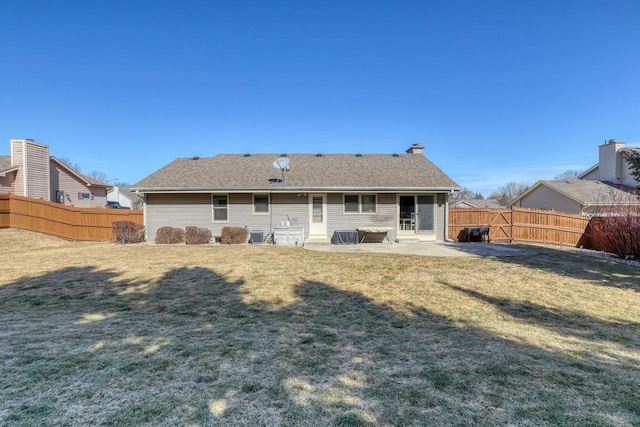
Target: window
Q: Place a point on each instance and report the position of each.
(360, 203)
(260, 203)
(220, 207)
(369, 203)
(351, 203)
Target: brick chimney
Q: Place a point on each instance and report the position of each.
(416, 148)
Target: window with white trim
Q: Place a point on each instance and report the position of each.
(260, 203)
(360, 203)
(220, 206)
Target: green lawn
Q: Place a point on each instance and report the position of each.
(104, 334)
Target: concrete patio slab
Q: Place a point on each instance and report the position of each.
(436, 249)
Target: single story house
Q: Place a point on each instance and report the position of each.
(475, 203)
(126, 198)
(31, 172)
(578, 197)
(404, 195)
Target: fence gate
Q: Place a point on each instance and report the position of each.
(501, 224)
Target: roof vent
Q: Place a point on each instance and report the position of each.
(283, 155)
(246, 155)
(319, 155)
(396, 155)
(358, 155)
(196, 158)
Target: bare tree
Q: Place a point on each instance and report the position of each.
(123, 185)
(509, 192)
(98, 176)
(568, 175)
(68, 162)
(464, 193)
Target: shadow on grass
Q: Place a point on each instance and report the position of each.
(564, 322)
(83, 346)
(597, 270)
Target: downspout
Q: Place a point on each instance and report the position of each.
(446, 219)
(144, 216)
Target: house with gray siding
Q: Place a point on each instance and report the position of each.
(31, 172)
(403, 195)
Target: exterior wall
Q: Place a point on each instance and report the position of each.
(37, 170)
(545, 198)
(61, 180)
(593, 175)
(625, 174)
(116, 195)
(609, 162)
(441, 217)
(17, 159)
(337, 219)
(7, 183)
(182, 210)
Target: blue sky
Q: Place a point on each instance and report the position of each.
(497, 91)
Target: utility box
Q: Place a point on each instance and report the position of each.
(256, 237)
(289, 235)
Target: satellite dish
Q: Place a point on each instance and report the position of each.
(281, 163)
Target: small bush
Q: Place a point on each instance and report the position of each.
(128, 232)
(169, 235)
(197, 235)
(618, 233)
(234, 235)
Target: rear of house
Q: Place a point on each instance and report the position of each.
(315, 195)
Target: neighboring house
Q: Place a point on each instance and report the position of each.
(612, 167)
(31, 172)
(404, 194)
(475, 203)
(578, 197)
(126, 198)
(605, 184)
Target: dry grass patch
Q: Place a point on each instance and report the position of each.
(106, 334)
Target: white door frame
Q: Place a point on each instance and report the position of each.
(318, 230)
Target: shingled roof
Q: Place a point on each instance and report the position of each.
(5, 163)
(588, 192)
(306, 172)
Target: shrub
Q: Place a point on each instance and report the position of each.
(169, 235)
(618, 232)
(234, 235)
(197, 235)
(128, 232)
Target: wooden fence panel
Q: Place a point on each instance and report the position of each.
(521, 224)
(92, 224)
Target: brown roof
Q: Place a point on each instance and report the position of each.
(5, 163)
(588, 192)
(307, 172)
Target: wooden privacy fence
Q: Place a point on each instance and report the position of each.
(92, 224)
(521, 224)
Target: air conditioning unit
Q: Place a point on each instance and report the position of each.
(256, 237)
